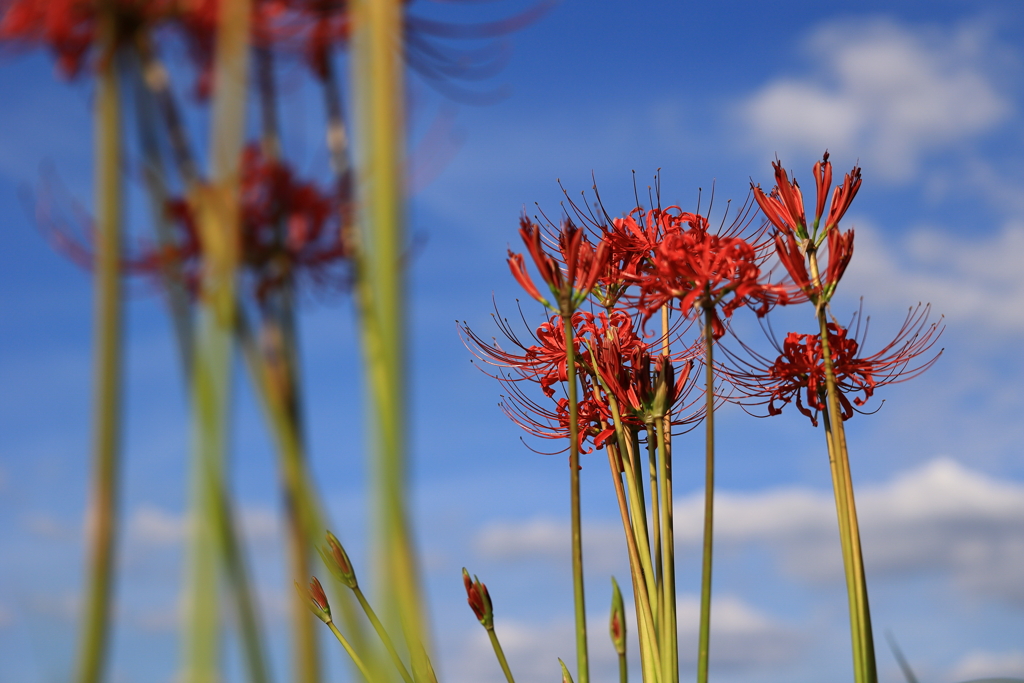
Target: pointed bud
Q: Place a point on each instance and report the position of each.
(316, 600)
(566, 677)
(664, 389)
(479, 600)
(617, 623)
(336, 560)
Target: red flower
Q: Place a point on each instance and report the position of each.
(289, 232)
(798, 374)
(583, 265)
(700, 270)
(785, 209)
(68, 27)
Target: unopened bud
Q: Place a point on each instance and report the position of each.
(566, 677)
(617, 623)
(316, 599)
(479, 600)
(664, 387)
(336, 560)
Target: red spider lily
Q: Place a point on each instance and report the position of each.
(784, 207)
(793, 259)
(593, 419)
(634, 238)
(68, 27)
(583, 265)
(645, 387)
(288, 227)
(544, 362)
(289, 231)
(798, 374)
(700, 270)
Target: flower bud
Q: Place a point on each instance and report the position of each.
(479, 600)
(566, 677)
(336, 560)
(316, 600)
(617, 623)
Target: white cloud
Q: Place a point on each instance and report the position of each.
(150, 525)
(940, 518)
(743, 637)
(881, 91)
(969, 280)
(981, 664)
(153, 526)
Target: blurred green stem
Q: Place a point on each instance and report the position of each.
(378, 75)
(95, 621)
(217, 211)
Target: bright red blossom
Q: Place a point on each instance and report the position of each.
(698, 270)
(798, 373)
(583, 265)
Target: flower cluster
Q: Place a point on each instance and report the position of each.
(625, 270)
(290, 230)
(666, 260)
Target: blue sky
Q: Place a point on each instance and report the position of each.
(926, 97)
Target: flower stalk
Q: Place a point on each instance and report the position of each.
(95, 624)
(704, 633)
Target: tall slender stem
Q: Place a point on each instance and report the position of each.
(382, 634)
(582, 666)
(279, 337)
(95, 624)
(500, 654)
(218, 212)
(670, 649)
(652, 457)
(865, 670)
(351, 651)
(378, 71)
(709, 497)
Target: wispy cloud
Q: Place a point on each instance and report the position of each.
(971, 279)
(983, 664)
(941, 518)
(886, 92)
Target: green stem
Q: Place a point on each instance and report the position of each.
(382, 634)
(670, 649)
(378, 73)
(864, 656)
(95, 624)
(582, 667)
(640, 562)
(292, 462)
(217, 212)
(709, 498)
(623, 669)
(500, 655)
(652, 458)
(865, 670)
(641, 599)
(240, 584)
(351, 653)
